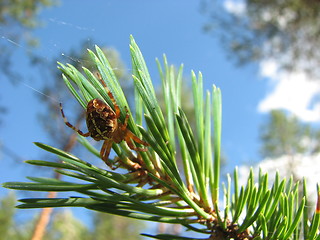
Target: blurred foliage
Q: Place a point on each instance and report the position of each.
(284, 134)
(115, 227)
(65, 226)
(286, 31)
(6, 215)
(11, 226)
(22, 12)
(17, 19)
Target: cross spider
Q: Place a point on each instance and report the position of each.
(102, 123)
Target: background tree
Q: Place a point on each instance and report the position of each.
(288, 31)
(65, 226)
(288, 142)
(284, 134)
(12, 226)
(7, 211)
(115, 227)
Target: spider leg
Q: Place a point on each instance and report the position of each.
(124, 125)
(129, 133)
(105, 151)
(71, 126)
(113, 100)
(129, 137)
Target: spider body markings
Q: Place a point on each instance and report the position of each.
(103, 124)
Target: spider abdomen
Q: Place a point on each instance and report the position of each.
(101, 120)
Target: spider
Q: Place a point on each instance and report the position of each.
(103, 124)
